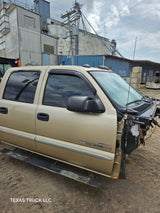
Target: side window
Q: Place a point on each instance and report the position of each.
(60, 87)
(21, 86)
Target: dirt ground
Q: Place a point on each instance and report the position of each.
(139, 193)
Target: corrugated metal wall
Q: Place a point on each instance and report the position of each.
(45, 59)
(93, 61)
(119, 66)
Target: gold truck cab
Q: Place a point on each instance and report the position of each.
(87, 117)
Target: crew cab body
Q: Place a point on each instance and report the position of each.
(65, 113)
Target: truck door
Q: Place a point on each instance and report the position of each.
(83, 139)
(17, 108)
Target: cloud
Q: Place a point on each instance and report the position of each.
(113, 17)
(116, 11)
(149, 9)
(94, 16)
(125, 11)
(89, 5)
(147, 46)
(150, 40)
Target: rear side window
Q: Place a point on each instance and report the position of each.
(21, 86)
(60, 87)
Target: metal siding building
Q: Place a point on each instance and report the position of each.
(121, 66)
(150, 70)
(92, 60)
(118, 65)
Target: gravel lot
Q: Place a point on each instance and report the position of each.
(140, 192)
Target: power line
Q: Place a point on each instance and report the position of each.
(137, 4)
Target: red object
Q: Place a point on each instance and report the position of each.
(19, 63)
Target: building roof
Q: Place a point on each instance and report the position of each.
(145, 62)
(117, 57)
(135, 62)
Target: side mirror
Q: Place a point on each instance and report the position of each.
(85, 104)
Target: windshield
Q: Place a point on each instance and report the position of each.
(117, 88)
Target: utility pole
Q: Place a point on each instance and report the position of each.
(72, 20)
(77, 7)
(68, 16)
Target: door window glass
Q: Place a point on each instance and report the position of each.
(21, 86)
(60, 87)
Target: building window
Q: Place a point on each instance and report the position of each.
(48, 49)
(29, 22)
(21, 86)
(60, 87)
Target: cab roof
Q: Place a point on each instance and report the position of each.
(85, 68)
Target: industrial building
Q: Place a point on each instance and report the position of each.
(21, 36)
(150, 70)
(34, 38)
(88, 43)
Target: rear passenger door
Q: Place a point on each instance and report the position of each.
(17, 108)
(72, 136)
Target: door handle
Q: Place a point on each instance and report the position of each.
(3, 110)
(43, 116)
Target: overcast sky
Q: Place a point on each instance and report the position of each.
(122, 20)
